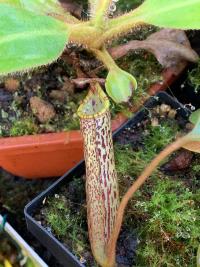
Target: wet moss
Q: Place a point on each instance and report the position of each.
(194, 77)
(164, 212)
(22, 127)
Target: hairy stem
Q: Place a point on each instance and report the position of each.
(120, 25)
(106, 58)
(111, 248)
(85, 34)
(101, 178)
(100, 12)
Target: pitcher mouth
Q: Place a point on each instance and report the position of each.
(95, 104)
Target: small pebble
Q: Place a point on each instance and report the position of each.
(172, 114)
(43, 110)
(48, 229)
(12, 84)
(154, 122)
(82, 260)
(61, 96)
(44, 201)
(157, 109)
(164, 109)
(189, 126)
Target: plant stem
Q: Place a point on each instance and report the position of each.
(111, 248)
(100, 12)
(83, 33)
(106, 58)
(121, 25)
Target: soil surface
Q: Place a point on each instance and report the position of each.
(46, 100)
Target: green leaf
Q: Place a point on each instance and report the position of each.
(195, 116)
(37, 6)
(181, 14)
(194, 135)
(120, 85)
(28, 40)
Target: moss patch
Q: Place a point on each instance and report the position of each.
(194, 78)
(164, 213)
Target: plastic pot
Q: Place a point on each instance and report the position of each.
(27, 251)
(50, 155)
(63, 255)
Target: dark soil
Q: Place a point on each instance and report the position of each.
(15, 106)
(53, 85)
(64, 214)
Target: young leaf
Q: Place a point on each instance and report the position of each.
(193, 146)
(194, 135)
(28, 40)
(43, 7)
(120, 85)
(180, 14)
(195, 116)
(171, 48)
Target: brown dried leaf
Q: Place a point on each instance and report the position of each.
(72, 7)
(12, 84)
(181, 161)
(43, 110)
(171, 48)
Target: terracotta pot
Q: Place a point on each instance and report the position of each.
(50, 155)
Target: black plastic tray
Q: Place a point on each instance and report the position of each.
(63, 255)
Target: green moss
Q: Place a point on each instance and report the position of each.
(58, 216)
(68, 223)
(196, 169)
(170, 234)
(194, 77)
(23, 127)
(144, 67)
(164, 213)
(158, 137)
(129, 162)
(63, 220)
